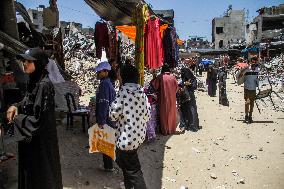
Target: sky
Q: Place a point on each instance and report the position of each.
(192, 17)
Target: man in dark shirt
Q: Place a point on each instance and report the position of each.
(105, 95)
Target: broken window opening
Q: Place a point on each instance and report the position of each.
(220, 43)
(219, 30)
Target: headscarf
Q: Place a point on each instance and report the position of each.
(165, 68)
(40, 69)
(186, 74)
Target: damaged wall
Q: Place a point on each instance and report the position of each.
(228, 28)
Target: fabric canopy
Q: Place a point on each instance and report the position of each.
(130, 31)
(119, 12)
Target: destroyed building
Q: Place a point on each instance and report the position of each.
(228, 29)
(36, 16)
(267, 25)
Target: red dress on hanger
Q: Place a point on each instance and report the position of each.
(154, 54)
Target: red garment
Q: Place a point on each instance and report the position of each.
(154, 53)
(167, 86)
(101, 38)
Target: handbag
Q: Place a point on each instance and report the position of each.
(102, 140)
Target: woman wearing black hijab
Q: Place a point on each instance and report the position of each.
(34, 120)
(187, 100)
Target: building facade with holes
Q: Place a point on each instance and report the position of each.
(228, 29)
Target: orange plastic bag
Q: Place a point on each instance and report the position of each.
(102, 140)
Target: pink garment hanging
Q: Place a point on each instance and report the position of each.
(154, 54)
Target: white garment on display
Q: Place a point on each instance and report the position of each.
(53, 72)
(104, 58)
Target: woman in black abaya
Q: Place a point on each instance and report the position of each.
(34, 120)
(187, 100)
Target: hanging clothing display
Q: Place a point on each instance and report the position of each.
(175, 47)
(129, 31)
(101, 38)
(170, 47)
(162, 29)
(140, 17)
(153, 45)
(112, 44)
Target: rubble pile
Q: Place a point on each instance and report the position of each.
(127, 50)
(78, 45)
(274, 70)
(81, 72)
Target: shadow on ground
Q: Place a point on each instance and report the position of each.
(256, 121)
(81, 170)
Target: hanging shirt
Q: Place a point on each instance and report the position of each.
(101, 38)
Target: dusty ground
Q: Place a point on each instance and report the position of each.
(225, 148)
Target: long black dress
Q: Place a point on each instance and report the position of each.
(212, 82)
(223, 100)
(39, 161)
(188, 105)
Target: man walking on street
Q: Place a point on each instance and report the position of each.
(250, 75)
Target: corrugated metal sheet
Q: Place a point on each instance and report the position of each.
(117, 11)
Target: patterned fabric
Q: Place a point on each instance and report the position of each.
(175, 47)
(152, 123)
(171, 47)
(140, 17)
(132, 111)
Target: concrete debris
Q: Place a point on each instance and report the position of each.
(220, 187)
(183, 187)
(235, 173)
(170, 179)
(247, 157)
(241, 181)
(196, 150)
(213, 176)
(106, 187)
(78, 45)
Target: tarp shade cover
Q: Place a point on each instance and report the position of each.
(117, 11)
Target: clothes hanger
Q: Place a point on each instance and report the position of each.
(153, 17)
